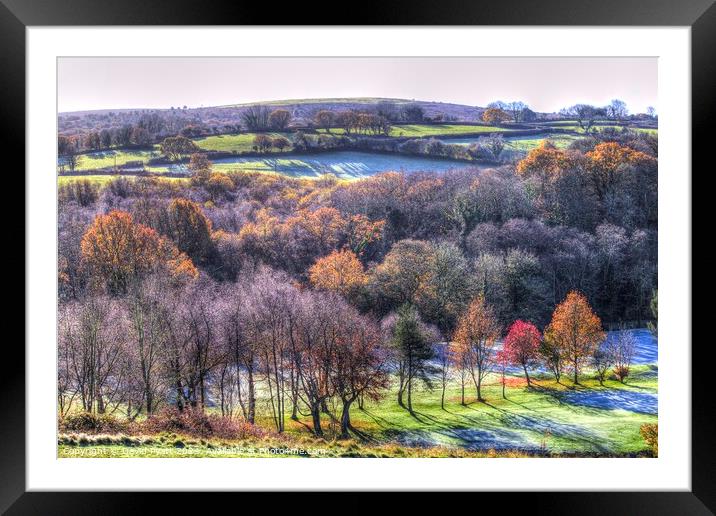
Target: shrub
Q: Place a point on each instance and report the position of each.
(196, 423)
(650, 433)
(89, 422)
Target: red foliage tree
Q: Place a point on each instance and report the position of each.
(522, 345)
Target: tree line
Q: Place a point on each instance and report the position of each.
(318, 293)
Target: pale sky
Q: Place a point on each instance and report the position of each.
(545, 83)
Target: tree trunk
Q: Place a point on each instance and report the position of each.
(410, 395)
(180, 396)
(346, 419)
(527, 375)
(252, 397)
(576, 379)
(316, 415)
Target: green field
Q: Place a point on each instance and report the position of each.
(111, 158)
(422, 130)
(575, 127)
(243, 142)
(527, 143)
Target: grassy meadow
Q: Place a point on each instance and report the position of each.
(548, 418)
(242, 142)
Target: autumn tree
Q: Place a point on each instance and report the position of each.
(176, 147)
(650, 433)
(546, 162)
(219, 185)
(607, 162)
(476, 334)
(459, 361)
(199, 169)
(325, 119)
(117, 250)
(521, 346)
(575, 329)
(339, 272)
(280, 143)
(404, 273)
(189, 229)
(263, 142)
(279, 119)
(494, 116)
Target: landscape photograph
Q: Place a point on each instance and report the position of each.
(358, 257)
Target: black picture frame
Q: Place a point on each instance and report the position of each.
(700, 15)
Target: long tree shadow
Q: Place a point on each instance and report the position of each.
(506, 420)
(363, 436)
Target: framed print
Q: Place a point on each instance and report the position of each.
(427, 255)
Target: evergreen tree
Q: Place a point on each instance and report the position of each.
(414, 350)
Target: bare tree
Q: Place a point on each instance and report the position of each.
(621, 350)
(585, 115)
(91, 337)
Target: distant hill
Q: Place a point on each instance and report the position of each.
(228, 116)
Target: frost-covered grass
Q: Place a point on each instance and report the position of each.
(343, 164)
(110, 158)
(548, 418)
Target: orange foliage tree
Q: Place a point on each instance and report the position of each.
(476, 335)
(116, 250)
(340, 272)
(546, 162)
(494, 116)
(575, 330)
(605, 162)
